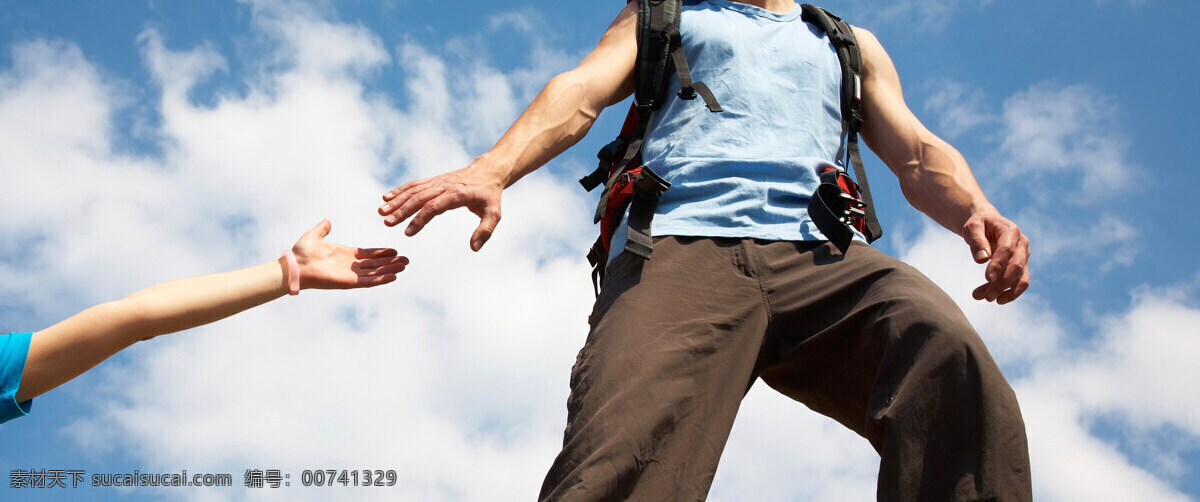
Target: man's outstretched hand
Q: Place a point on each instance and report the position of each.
(471, 188)
(1000, 243)
(324, 265)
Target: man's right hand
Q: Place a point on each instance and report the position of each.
(470, 187)
(558, 117)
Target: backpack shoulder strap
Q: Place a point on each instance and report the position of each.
(846, 45)
(660, 53)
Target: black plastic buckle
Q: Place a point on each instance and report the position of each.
(840, 39)
(613, 149)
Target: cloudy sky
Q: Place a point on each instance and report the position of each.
(142, 141)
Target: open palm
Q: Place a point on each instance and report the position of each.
(324, 265)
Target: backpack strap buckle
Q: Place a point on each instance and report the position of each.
(648, 188)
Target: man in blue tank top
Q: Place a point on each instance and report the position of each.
(743, 286)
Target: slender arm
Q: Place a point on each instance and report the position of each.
(75, 345)
(67, 349)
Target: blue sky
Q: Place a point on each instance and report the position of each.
(145, 141)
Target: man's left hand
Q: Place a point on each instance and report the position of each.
(1000, 243)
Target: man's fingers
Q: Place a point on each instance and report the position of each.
(487, 224)
(1015, 279)
(985, 292)
(1013, 293)
(411, 205)
(399, 197)
(1003, 282)
(1007, 274)
(424, 201)
(975, 233)
(994, 292)
(387, 197)
(429, 210)
(1009, 263)
(996, 268)
(1003, 244)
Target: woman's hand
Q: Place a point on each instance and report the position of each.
(324, 265)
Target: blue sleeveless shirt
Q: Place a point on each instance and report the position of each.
(749, 170)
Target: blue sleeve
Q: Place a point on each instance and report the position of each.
(14, 348)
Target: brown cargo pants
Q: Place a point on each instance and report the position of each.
(677, 341)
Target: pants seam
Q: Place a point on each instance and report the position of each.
(752, 257)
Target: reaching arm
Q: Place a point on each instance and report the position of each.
(71, 347)
(936, 179)
(560, 115)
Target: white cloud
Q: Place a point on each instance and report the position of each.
(1085, 247)
(1137, 370)
(1057, 152)
(457, 372)
(1064, 140)
(959, 108)
(780, 450)
(1020, 334)
(1051, 129)
(1145, 363)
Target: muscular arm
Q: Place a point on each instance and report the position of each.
(564, 111)
(936, 179)
(560, 115)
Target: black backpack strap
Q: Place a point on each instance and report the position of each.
(597, 256)
(647, 190)
(660, 52)
(846, 45)
(688, 88)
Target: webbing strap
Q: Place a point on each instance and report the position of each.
(647, 190)
(873, 230)
(606, 155)
(596, 258)
(656, 20)
(687, 88)
(660, 52)
(850, 58)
